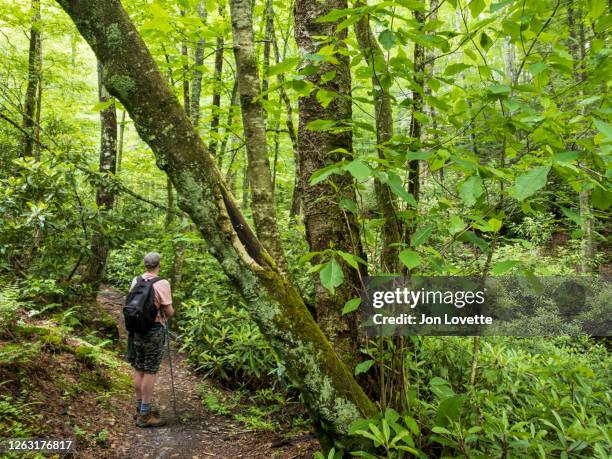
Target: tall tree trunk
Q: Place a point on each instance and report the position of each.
(269, 14)
(120, 142)
(185, 58)
(414, 174)
(381, 82)
(253, 120)
(216, 98)
(577, 47)
(105, 197)
(230, 119)
(196, 87)
(296, 197)
(39, 77)
(328, 388)
(29, 111)
(327, 225)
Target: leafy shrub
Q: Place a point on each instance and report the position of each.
(531, 398)
(224, 343)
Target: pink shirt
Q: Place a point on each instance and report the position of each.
(163, 295)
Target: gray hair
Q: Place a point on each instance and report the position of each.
(151, 260)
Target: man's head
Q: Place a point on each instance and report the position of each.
(151, 261)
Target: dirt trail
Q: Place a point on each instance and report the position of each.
(196, 433)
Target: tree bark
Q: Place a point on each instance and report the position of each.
(196, 86)
(253, 120)
(29, 112)
(383, 112)
(576, 46)
(327, 225)
(414, 174)
(105, 197)
(329, 390)
(216, 98)
(230, 119)
(120, 142)
(296, 197)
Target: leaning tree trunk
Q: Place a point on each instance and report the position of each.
(105, 197)
(253, 120)
(29, 112)
(328, 225)
(329, 390)
(381, 82)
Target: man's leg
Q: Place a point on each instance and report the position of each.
(137, 377)
(148, 382)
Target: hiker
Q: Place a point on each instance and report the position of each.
(148, 307)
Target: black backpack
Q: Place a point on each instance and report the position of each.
(140, 311)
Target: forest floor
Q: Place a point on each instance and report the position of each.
(196, 432)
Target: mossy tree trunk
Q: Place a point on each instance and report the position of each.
(253, 121)
(105, 197)
(29, 106)
(327, 224)
(329, 390)
(383, 112)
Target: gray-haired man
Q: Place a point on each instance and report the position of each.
(145, 351)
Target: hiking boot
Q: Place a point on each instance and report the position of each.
(151, 419)
(154, 411)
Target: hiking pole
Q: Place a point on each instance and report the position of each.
(166, 327)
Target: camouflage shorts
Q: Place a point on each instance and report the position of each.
(145, 352)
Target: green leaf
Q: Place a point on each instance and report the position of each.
(363, 367)
(422, 234)
(102, 105)
(412, 424)
(499, 89)
(325, 97)
(351, 305)
(485, 41)
(331, 275)
(566, 157)
(573, 216)
(328, 76)
(476, 7)
(527, 184)
(284, 66)
(601, 198)
(418, 155)
(359, 170)
(395, 183)
(449, 409)
(537, 68)
(322, 174)
(349, 205)
(495, 224)
(387, 39)
(351, 260)
(321, 125)
(410, 258)
(597, 8)
(604, 128)
(455, 224)
(455, 68)
(471, 190)
(502, 267)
